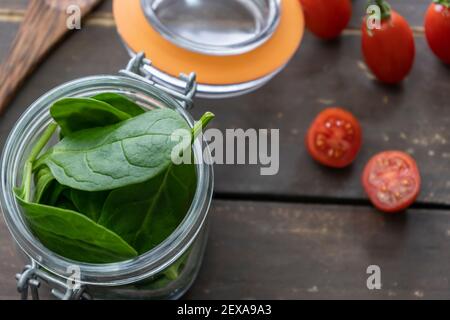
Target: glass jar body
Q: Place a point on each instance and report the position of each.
(165, 272)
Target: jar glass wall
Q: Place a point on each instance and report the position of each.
(149, 275)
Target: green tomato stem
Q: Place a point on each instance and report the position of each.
(28, 169)
(201, 124)
(445, 3)
(385, 8)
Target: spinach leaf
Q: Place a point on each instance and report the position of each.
(43, 182)
(106, 158)
(121, 103)
(89, 203)
(174, 271)
(73, 235)
(56, 191)
(64, 203)
(75, 114)
(66, 232)
(145, 214)
(24, 191)
(166, 277)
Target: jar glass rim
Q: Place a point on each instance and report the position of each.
(266, 10)
(120, 273)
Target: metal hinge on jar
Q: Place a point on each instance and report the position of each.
(32, 277)
(138, 68)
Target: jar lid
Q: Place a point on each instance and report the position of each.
(214, 27)
(168, 58)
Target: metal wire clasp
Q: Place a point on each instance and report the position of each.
(31, 278)
(138, 67)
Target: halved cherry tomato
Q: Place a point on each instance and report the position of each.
(389, 51)
(437, 29)
(334, 138)
(391, 179)
(327, 18)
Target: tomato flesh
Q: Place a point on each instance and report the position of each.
(334, 138)
(392, 181)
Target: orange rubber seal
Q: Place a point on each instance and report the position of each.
(139, 35)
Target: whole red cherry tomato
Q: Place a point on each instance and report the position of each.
(389, 51)
(391, 179)
(334, 138)
(327, 18)
(437, 29)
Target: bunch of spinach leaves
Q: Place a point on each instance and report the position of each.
(108, 191)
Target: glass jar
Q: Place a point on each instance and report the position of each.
(144, 277)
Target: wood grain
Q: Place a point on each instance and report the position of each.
(20, 5)
(263, 250)
(43, 26)
(279, 251)
(300, 251)
(413, 117)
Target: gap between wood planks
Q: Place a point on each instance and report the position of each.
(105, 19)
(315, 200)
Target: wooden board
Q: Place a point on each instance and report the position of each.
(262, 250)
(278, 251)
(286, 244)
(412, 117)
(22, 4)
(412, 10)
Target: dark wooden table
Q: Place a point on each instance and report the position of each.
(308, 232)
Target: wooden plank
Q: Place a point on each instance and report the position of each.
(7, 33)
(276, 251)
(412, 10)
(268, 250)
(411, 117)
(13, 4)
(10, 264)
(22, 4)
(42, 27)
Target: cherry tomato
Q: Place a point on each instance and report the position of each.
(437, 30)
(389, 51)
(391, 179)
(327, 18)
(334, 138)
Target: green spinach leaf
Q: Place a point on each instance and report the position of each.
(64, 203)
(89, 203)
(57, 190)
(121, 103)
(66, 232)
(115, 156)
(75, 114)
(43, 181)
(145, 214)
(75, 236)
(174, 271)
